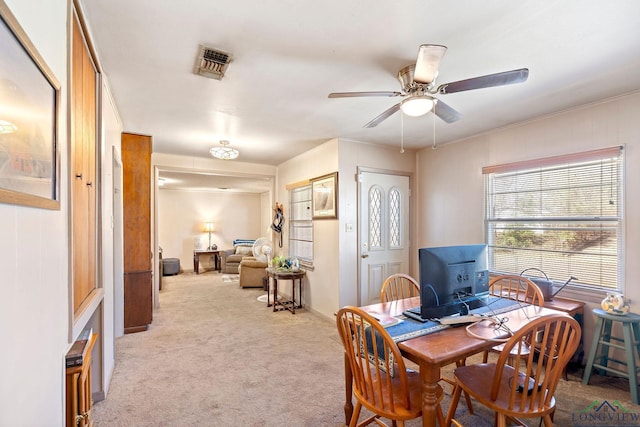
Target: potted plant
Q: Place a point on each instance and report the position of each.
(282, 263)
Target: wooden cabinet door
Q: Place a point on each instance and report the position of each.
(138, 301)
(136, 198)
(79, 394)
(136, 177)
(83, 167)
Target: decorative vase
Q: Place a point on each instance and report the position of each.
(295, 265)
(614, 303)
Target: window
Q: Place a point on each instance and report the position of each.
(375, 218)
(394, 218)
(562, 215)
(301, 225)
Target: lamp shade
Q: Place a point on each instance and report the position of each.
(208, 227)
(417, 105)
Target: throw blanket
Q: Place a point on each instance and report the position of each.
(243, 242)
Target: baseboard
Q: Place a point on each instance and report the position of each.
(98, 396)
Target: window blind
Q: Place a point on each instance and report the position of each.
(562, 215)
(301, 225)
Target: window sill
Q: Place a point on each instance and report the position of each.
(582, 294)
(86, 310)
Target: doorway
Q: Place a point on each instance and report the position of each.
(384, 230)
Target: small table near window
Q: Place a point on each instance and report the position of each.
(291, 304)
(574, 309)
(196, 259)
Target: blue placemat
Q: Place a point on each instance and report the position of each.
(497, 305)
(409, 328)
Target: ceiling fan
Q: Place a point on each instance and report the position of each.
(418, 86)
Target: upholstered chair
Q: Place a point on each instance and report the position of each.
(252, 272)
(230, 259)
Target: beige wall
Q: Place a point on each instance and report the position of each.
(352, 156)
(334, 282)
(321, 285)
(182, 214)
(34, 288)
(450, 182)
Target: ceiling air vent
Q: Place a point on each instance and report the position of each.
(211, 63)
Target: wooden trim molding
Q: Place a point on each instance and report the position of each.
(297, 184)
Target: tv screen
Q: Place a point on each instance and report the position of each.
(449, 273)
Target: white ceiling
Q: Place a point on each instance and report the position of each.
(287, 56)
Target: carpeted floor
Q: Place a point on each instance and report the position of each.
(229, 278)
(216, 356)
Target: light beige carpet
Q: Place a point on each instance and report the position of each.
(228, 278)
(215, 356)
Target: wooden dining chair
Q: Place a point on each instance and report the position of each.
(517, 288)
(381, 381)
(399, 286)
(524, 389)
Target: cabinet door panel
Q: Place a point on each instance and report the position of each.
(83, 171)
(136, 160)
(136, 198)
(137, 297)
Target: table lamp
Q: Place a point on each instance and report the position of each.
(208, 228)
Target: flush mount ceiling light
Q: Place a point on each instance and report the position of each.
(417, 105)
(224, 152)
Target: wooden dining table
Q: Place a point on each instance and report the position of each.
(433, 351)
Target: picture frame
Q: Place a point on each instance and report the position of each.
(29, 115)
(324, 196)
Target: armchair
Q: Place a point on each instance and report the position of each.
(230, 258)
(252, 272)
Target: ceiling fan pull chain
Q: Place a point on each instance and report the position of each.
(401, 134)
(433, 116)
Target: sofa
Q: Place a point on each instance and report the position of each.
(252, 272)
(230, 258)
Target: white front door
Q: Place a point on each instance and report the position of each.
(384, 231)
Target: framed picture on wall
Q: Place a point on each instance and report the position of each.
(324, 199)
(29, 104)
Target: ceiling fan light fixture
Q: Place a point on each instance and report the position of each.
(417, 105)
(224, 152)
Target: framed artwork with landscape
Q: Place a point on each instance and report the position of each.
(324, 191)
(29, 103)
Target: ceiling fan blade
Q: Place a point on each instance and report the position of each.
(428, 62)
(490, 80)
(445, 112)
(357, 94)
(385, 115)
